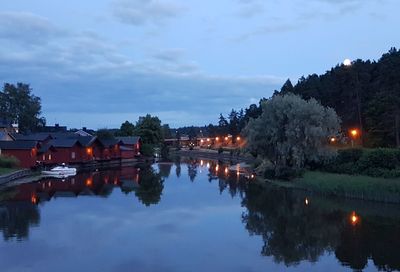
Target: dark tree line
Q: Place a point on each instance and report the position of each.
(365, 95)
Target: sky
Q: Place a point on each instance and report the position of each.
(97, 63)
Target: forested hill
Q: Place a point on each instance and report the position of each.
(365, 95)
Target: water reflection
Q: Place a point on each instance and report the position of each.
(293, 226)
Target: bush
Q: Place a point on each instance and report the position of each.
(147, 150)
(8, 162)
(378, 158)
(282, 173)
(349, 155)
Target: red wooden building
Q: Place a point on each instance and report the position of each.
(130, 147)
(25, 151)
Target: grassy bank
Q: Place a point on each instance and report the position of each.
(360, 187)
(5, 171)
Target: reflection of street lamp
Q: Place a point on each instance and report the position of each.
(349, 63)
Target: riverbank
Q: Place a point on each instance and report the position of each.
(348, 186)
(213, 155)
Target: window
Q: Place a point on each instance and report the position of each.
(73, 155)
(44, 157)
(49, 157)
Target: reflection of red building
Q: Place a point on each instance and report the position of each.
(96, 183)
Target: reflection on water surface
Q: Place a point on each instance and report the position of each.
(190, 215)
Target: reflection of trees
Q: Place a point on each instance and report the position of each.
(290, 232)
(150, 186)
(192, 171)
(16, 218)
(177, 162)
(165, 169)
(293, 232)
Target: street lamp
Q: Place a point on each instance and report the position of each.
(348, 63)
(354, 133)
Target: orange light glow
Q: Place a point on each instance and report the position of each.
(252, 176)
(238, 138)
(217, 139)
(226, 170)
(201, 162)
(202, 141)
(306, 201)
(208, 139)
(226, 138)
(89, 151)
(354, 219)
(333, 139)
(217, 168)
(34, 199)
(354, 133)
(89, 182)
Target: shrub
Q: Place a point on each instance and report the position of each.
(147, 150)
(8, 162)
(282, 173)
(349, 155)
(378, 158)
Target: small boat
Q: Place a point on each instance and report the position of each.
(60, 171)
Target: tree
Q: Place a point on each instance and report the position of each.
(292, 132)
(127, 129)
(104, 133)
(223, 125)
(18, 104)
(149, 129)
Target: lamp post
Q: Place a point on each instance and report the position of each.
(354, 134)
(348, 63)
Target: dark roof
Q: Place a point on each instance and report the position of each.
(129, 140)
(45, 148)
(86, 140)
(63, 142)
(41, 136)
(5, 135)
(109, 142)
(5, 123)
(124, 148)
(20, 145)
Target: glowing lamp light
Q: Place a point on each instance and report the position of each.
(208, 139)
(217, 168)
(89, 182)
(217, 139)
(201, 162)
(238, 138)
(89, 151)
(306, 201)
(354, 133)
(202, 141)
(226, 138)
(226, 170)
(354, 219)
(208, 165)
(333, 140)
(252, 176)
(34, 199)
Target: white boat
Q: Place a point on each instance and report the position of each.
(60, 171)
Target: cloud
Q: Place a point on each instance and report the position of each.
(249, 8)
(141, 12)
(171, 55)
(27, 28)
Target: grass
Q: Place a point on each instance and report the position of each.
(361, 187)
(4, 171)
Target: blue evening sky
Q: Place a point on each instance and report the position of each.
(97, 63)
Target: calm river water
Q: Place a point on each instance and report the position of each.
(189, 216)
